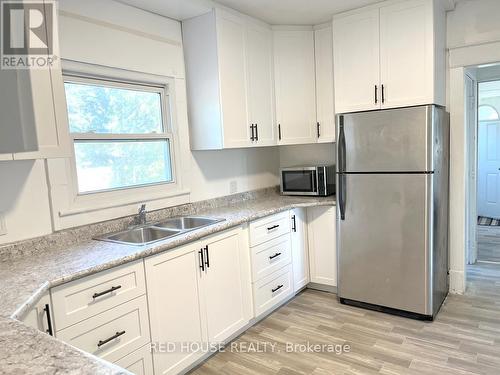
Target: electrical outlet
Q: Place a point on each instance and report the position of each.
(233, 187)
(3, 227)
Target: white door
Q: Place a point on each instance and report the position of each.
(322, 245)
(300, 258)
(295, 86)
(489, 169)
(259, 51)
(174, 306)
(356, 62)
(325, 113)
(233, 82)
(226, 284)
(407, 54)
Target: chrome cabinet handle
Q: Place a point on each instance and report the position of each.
(110, 290)
(115, 336)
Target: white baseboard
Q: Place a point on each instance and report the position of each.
(457, 282)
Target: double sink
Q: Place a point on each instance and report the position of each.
(150, 233)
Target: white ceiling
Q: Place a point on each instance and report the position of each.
(275, 12)
(294, 12)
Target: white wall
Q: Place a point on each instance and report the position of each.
(473, 30)
(24, 200)
(473, 22)
(319, 154)
(112, 34)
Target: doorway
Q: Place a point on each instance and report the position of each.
(488, 167)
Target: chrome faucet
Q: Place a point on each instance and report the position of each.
(141, 216)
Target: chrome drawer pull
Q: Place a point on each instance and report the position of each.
(273, 227)
(277, 288)
(115, 336)
(275, 255)
(110, 290)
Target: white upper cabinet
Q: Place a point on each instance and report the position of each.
(325, 113)
(34, 122)
(389, 55)
(356, 61)
(259, 43)
(408, 56)
(229, 81)
(295, 90)
(232, 76)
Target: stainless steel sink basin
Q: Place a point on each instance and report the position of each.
(140, 236)
(187, 223)
(159, 231)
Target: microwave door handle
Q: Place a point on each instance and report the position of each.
(314, 181)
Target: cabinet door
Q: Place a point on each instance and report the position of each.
(300, 258)
(233, 82)
(407, 53)
(356, 62)
(295, 86)
(139, 362)
(325, 114)
(226, 284)
(174, 307)
(260, 95)
(38, 317)
(322, 245)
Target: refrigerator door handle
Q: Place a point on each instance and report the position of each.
(342, 167)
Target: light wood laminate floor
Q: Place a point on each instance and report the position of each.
(488, 243)
(464, 339)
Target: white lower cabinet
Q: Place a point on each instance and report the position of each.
(173, 280)
(322, 245)
(112, 334)
(299, 247)
(162, 314)
(40, 317)
(273, 289)
(198, 294)
(139, 362)
(271, 252)
(225, 284)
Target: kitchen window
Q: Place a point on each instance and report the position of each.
(121, 134)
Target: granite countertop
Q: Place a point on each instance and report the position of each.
(26, 277)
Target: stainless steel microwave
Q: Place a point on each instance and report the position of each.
(318, 180)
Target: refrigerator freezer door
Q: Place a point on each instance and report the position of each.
(396, 140)
(383, 241)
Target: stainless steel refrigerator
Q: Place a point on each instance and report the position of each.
(392, 209)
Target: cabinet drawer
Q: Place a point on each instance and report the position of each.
(139, 362)
(128, 323)
(89, 296)
(272, 290)
(271, 256)
(269, 227)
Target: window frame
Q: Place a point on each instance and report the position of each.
(124, 83)
(71, 209)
